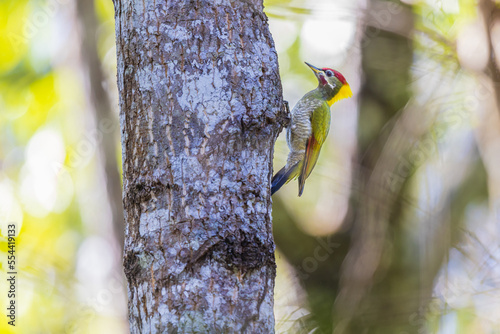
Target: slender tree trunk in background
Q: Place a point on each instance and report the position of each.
(104, 117)
(200, 101)
(379, 284)
(490, 14)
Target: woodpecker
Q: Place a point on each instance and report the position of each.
(309, 126)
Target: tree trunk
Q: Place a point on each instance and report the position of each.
(200, 101)
(378, 290)
(103, 117)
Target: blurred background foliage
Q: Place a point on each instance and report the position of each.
(398, 228)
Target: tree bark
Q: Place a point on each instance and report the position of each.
(200, 109)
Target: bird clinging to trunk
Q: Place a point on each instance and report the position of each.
(309, 126)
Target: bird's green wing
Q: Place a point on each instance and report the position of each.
(320, 121)
(311, 156)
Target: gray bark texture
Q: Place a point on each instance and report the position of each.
(200, 109)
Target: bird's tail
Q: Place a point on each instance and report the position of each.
(282, 177)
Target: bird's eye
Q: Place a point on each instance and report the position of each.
(329, 73)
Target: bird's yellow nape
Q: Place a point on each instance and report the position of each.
(344, 92)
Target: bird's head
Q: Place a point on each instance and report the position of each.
(332, 84)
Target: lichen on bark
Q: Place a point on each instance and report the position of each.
(200, 109)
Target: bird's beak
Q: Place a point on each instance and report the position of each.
(318, 73)
(314, 68)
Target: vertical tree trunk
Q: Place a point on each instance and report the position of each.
(200, 101)
(103, 116)
(378, 289)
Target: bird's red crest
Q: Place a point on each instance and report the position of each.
(338, 75)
